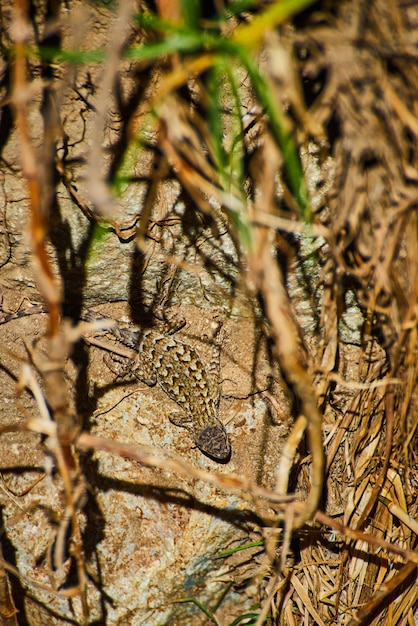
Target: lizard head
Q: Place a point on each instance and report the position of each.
(213, 441)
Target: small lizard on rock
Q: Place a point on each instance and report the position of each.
(180, 372)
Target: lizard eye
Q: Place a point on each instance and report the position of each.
(213, 441)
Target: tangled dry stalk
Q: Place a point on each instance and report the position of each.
(331, 281)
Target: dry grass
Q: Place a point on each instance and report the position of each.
(328, 268)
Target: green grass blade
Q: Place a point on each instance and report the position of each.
(251, 616)
(225, 553)
(202, 608)
(191, 12)
(251, 34)
(284, 139)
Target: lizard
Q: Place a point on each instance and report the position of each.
(179, 370)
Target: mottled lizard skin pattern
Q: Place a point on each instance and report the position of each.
(180, 372)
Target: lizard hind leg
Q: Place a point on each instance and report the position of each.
(144, 371)
(120, 367)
